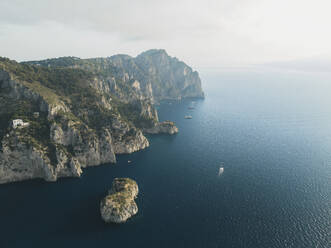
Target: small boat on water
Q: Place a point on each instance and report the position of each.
(220, 171)
(188, 117)
(129, 161)
(191, 105)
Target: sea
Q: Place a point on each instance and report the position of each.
(270, 129)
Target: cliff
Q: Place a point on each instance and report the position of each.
(160, 76)
(119, 205)
(86, 114)
(165, 127)
(152, 74)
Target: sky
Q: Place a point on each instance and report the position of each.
(203, 33)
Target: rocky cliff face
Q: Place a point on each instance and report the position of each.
(152, 75)
(119, 205)
(20, 160)
(165, 127)
(89, 111)
(67, 136)
(159, 76)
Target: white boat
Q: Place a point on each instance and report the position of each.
(220, 171)
(129, 161)
(188, 117)
(191, 105)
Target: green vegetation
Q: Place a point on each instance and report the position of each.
(123, 192)
(57, 62)
(120, 198)
(131, 112)
(67, 82)
(101, 66)
(57, 80)
(13, 109)
(68, 79)
(36, 134)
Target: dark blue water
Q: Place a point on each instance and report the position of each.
(272, 131)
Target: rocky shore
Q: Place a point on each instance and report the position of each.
(165, 127)
(83, 112)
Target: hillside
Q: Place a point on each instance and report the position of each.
(153, 73)
(81, 113)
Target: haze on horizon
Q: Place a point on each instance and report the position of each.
(202, 33)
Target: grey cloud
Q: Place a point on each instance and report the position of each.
(132, 18)
(202, 32)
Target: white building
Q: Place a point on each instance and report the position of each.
(19, 123)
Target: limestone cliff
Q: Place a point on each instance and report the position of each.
(165, 127)
(170, 78)
(152, 75)
(75, 128)
(159, 76)
(82, 112)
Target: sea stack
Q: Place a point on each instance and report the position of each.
(119, 205)
(165, 127)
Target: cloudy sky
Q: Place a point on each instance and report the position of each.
(201, 32)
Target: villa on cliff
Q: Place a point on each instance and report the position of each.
(19, 123)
